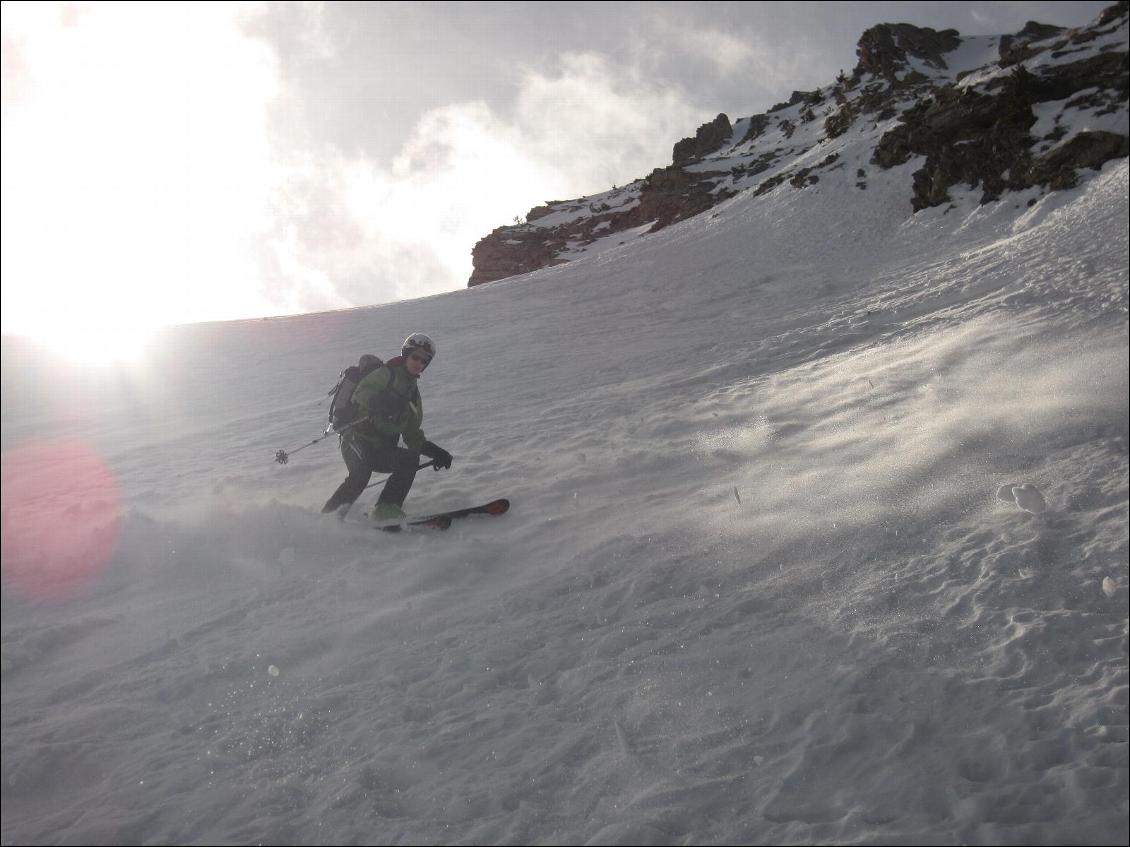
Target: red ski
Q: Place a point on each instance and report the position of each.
(443, 520)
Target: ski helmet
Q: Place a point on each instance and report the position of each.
(418, 342)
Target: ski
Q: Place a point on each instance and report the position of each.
(495, 507)
(443, 520)
(413, 524)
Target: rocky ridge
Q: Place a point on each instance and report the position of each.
(996, 114)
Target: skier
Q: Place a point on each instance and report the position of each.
(391, 398)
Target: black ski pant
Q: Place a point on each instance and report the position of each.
(363, 459)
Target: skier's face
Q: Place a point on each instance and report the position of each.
(416, 363)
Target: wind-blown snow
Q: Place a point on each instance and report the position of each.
(777, 568)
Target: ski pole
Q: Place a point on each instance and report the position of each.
(283, 456)
(379, 481)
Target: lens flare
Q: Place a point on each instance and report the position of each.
(61, 519)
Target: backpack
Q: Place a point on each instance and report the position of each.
(343, 411)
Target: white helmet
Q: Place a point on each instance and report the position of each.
(418, 341)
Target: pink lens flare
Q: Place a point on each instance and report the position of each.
(61, 518)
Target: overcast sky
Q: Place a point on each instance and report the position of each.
(181, 162)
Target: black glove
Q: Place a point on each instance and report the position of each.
(441, 458)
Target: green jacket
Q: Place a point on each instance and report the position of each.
(391, 398)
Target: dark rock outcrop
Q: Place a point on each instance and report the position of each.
(667, 195)
(709, 139)
(811, 98)
(1059, 169)
(982, 139)
(1112, 13)
(757, 125)
(510, 251)
(840, 121)
(883, 49)
(1015, 48)
(670, 195)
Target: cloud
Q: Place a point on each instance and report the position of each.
(307, 30)
(600, 123)
(757, 56)
(372, 234)
(981, 18)
(375, 233)
(725, 51)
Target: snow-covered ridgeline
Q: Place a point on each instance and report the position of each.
(843, 130)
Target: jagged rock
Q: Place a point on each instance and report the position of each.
(761, 163)
(812, 98)
(883, 49)
(771, 183)
(757, 125)
(1112, 13)
(1014, 48)
(540, 211)
(709, 139)
(1106, 71)
(983, 139)
(667, 195)
(875, 97)
(802, 178)
(670, 195)
(1086, 150)
(509, 251)
(839, 121)
(805, 177)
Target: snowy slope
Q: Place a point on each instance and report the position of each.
(819, 535)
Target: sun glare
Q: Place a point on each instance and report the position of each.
(62, 516)
(136, 177)
(95, 343)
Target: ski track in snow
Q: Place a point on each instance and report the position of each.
(769, 575)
